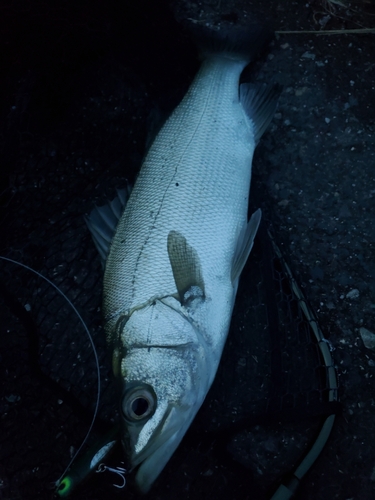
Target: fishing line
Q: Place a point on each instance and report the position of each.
(93, 348)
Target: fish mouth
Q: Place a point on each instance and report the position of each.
(150, 468)
(151, 460)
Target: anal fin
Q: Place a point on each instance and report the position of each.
(259, 102)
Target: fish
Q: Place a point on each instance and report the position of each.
(173, 265)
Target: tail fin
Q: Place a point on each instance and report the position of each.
(235, 42)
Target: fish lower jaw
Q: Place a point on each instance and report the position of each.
(149, 468)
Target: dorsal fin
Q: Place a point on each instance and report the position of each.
(102, 222)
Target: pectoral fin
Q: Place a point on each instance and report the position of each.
(245, 244)
(186, 266)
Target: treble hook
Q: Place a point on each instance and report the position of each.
(117, 470)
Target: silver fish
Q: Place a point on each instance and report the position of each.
(174, 262)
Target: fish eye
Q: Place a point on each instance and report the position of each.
(138, 403)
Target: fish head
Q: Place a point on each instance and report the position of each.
(164, 378)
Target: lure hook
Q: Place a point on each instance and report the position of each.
(117, 470)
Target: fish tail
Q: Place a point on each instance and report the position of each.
(241, 43)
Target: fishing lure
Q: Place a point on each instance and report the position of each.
(87, 464)
(91, 462)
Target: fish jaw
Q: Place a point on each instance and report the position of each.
(151, 459)
(166, 371)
